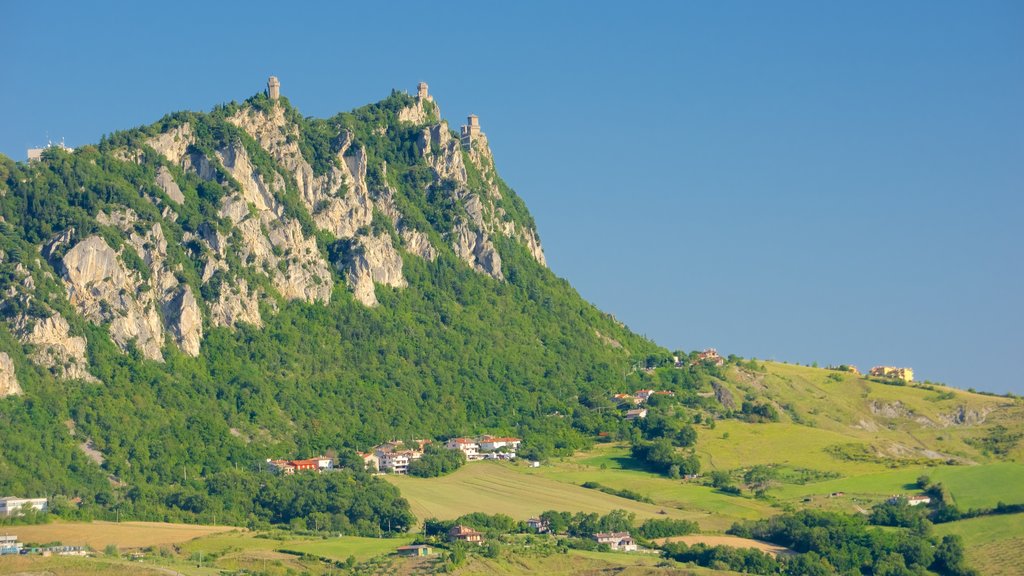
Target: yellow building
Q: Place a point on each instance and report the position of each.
(905, 374)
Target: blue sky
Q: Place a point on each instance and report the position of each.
(802, 181)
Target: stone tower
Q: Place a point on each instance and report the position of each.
(274, 88)
(471, 131)
(421, 91)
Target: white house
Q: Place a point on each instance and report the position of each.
(12, 506)
(467, 446)
(616, 540)
(491, 443)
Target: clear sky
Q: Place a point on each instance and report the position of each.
(803, 181)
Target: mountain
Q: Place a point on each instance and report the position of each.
(185, 300)
(215, 289)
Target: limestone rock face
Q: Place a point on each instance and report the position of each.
(8, 379)
(56, 349)
(235, 159)
(103, 290)
(173, 144)
(476, 248)
(166, 183)
(185, 326)
(236, 304)
(338, 200)
(185, 321)
(375, 261)
(418, 113)
(447, 159)
(418, 243)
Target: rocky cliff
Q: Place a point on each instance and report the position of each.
(253, 205)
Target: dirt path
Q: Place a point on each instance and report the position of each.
(734, 541)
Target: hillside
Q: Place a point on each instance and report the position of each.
(189, 298)
(185, 300)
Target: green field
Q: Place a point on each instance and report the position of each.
(994, 544)
(341, 548)
(611, 465)
(495, 487)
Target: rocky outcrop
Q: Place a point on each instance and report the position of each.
(173, 144)
(443, 153)
(416, 242)
(55, 348)
(8, 379)
(181, 314)
(185, 320)
(104, 291)
(236, 304)
(374, 260)
(255, 192)
(166, 183)
(964, 416)
(476, 248)
(723, 395)
(339, 200)
(418, 113)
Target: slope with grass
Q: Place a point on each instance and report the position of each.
(495, 488)
(993, 544)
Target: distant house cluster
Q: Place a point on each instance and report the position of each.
(640, 396)
(317, 464)
(393, 457)
(709, 355)
(13, 506)
(905, 374)
(9, 545)
(637, 398)
(486, 447)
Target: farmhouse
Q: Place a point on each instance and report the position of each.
(636, 413)
(317, 464)
(623, 398)
(460, 533)
(616, 540)
(915, 500)
(415, 550)
(643, 395)
(12, 506)
(710, 356)
(540, 525)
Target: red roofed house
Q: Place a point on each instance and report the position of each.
(462, 533)
(465, 445)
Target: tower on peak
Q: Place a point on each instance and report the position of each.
(273, 88)
(421, 91)
(471, 131)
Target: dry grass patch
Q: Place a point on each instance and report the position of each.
(121, 534)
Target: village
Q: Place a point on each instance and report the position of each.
(394, 457)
